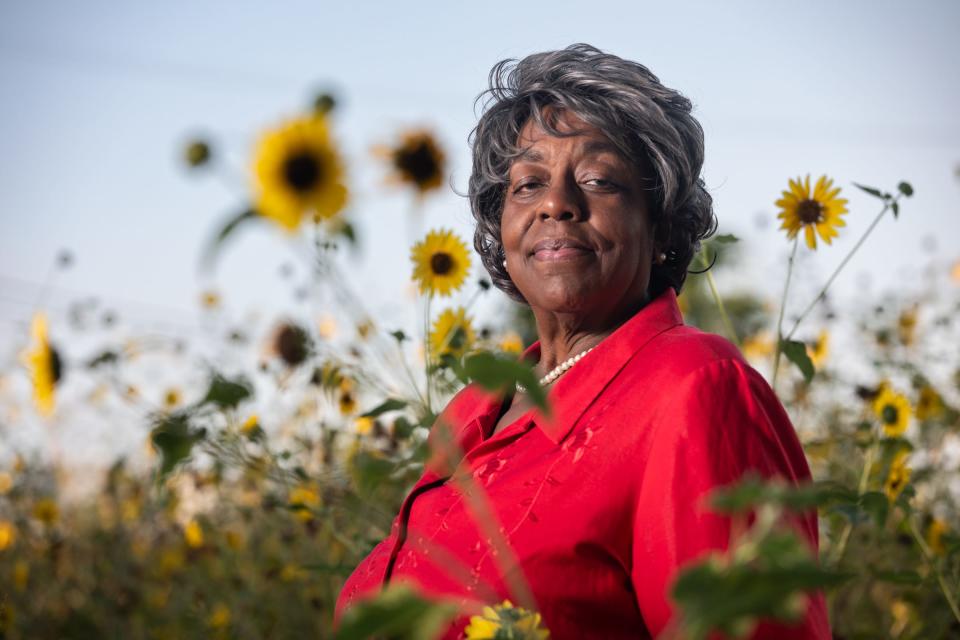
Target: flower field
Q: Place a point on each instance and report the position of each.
(250, 512)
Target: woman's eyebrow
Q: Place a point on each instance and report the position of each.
(529, 154)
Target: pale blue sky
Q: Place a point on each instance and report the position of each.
(98, 98)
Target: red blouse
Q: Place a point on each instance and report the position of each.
(600, 504)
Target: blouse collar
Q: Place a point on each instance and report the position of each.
(577, 389)
(472, 410)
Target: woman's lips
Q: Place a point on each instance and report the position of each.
(556, 249)
(563, 253)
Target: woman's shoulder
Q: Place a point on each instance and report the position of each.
(682, 350)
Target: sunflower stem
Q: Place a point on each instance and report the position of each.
(837, 553)
(725, 318)
(843, 263)
(426, 353)
(783, 306)
(927, 553)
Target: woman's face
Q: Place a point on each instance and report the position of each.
(576, 224)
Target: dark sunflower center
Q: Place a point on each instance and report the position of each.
(810, 212)
(56, 365)
(418, 162)
(292, 345)
(458, 339)
(889, 414)
(302, 171)
(441, 263)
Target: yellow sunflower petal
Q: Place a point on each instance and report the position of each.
(441, 263)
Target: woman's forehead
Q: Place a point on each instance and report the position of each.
(533, 141)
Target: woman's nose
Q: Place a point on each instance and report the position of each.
(561, 201)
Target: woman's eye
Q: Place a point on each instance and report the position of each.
(525, 186)
(601, 182)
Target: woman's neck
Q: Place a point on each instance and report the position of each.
(565, 334)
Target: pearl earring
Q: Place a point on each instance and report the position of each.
(504, 263)
(661, 258)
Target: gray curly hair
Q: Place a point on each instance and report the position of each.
(649, 123)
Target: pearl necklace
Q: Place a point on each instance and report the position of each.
(558, 371)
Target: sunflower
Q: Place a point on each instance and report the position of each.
(303, 500)
(929, 404)
(8, 534)
(506, 621)
(935, 536)
(46, 511)
(346, 398)
(292, 343)
(758, 346)
(893, 409)
(511, 343)
(172, 397)
(452, 334)
(440, 262)
(417, 160)
(363, 425)
(219, 618)
(819, 349)
(898, 476)
(193, 534)
(210, 299)
(44, 364)
(820, 212)
(297, 172)
(907, 325)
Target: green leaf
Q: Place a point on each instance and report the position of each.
(742, 496)
(897, 577)
(905, 188)
(877, 505)
(727, 238)
(402, 428)
(390, 404)
(753, 490)
(796, 352)
(396, 612)
(849, 510)
(209, 256)
(876, 193)
(495, 373)
(370, 470)
(107, 357)
(226, 393)
(715, 596)
(895, 206)
(347, 231)
(174, 438)
(398, 335)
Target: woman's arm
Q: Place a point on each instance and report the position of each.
(720, 422)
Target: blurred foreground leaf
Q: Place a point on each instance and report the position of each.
(753, 490)
(173, 438)
(495, 373)
(226, 393)
(732, 597)
(397, 612)
(390, 404)
(370, 470)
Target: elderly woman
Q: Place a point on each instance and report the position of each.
(589, 204)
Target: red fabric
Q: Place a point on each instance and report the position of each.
(600, 504)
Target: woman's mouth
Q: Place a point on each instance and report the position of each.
(558, 249)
